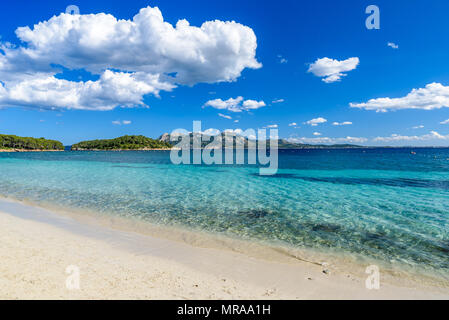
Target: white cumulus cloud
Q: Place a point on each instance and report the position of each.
(111, 90)
(332, 70)
(433, 96)
(253, 104)
(146, 54)
(445, 122)
(235, 104)
(317, 121)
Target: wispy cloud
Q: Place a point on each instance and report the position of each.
(433, 135)
(224, 116)
(393, 45)
(119, 123)
(278, 101)
(332, 70)
(282, 60)
(418, 127)
(346, 123)
(445, 122)
(327, 140)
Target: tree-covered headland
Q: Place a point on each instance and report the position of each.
(122, 143)
(11, 142)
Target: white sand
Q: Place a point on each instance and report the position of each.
(37, 246)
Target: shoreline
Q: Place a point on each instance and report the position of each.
(25, 150)
(340, 261)
(29, 229)
(119, 150)
(177, 149)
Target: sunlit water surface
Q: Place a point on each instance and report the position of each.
(384, 204)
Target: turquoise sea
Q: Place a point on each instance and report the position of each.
(385, 204)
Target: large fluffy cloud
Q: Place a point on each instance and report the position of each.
(235, 104)
(112, 89)
(149, 53)
(433, 96)
(332, 70)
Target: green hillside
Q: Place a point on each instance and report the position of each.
(25, 143)
(122, 143)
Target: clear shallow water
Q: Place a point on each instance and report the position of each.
(380, 203)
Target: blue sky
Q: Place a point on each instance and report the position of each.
(291, 35)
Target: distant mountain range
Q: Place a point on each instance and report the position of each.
(233, 139)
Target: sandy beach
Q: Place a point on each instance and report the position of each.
(39, 247)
